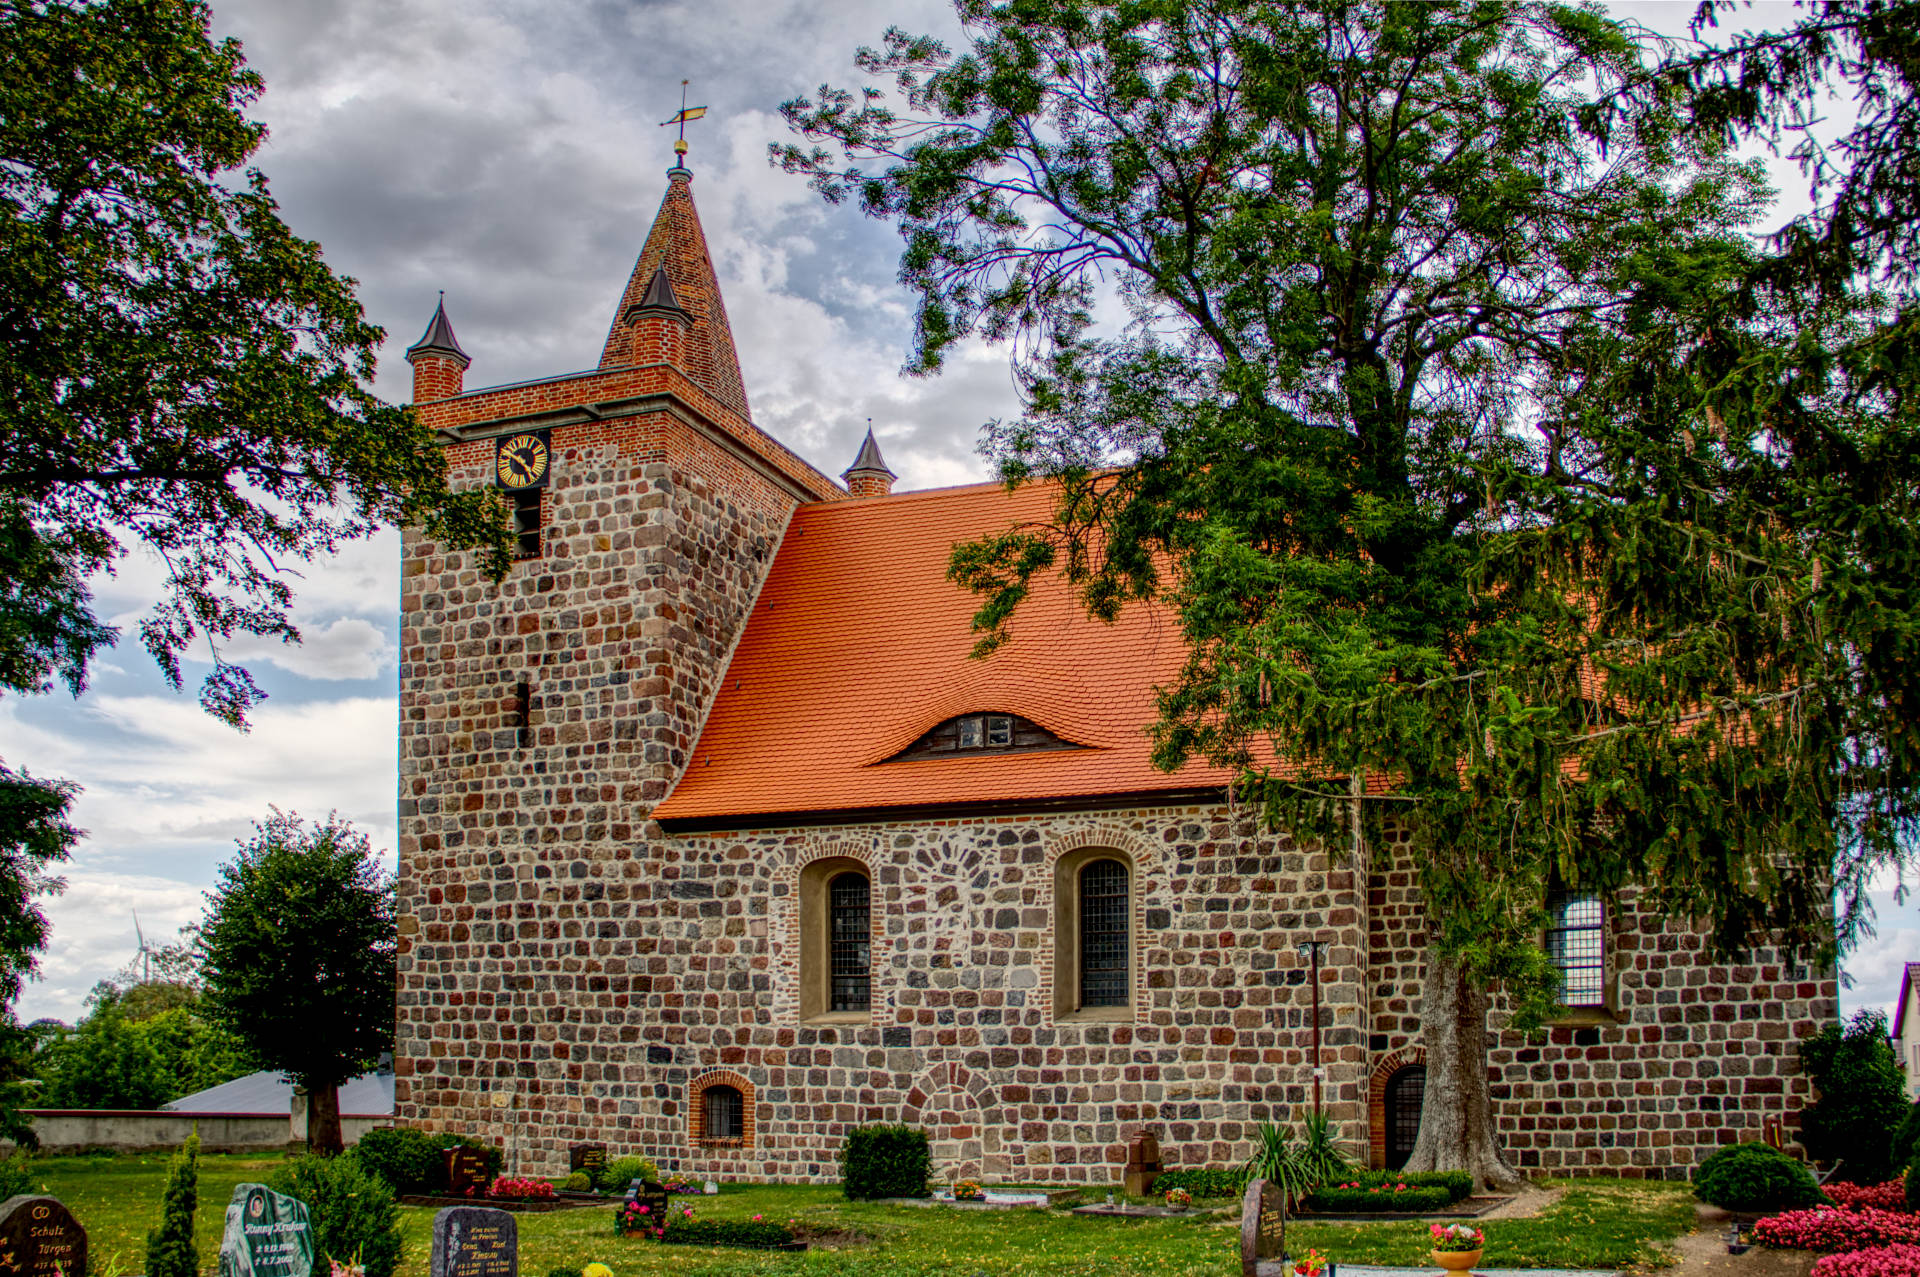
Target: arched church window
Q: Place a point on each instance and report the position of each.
(1103, 934)
(850, 942)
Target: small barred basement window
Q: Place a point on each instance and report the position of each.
(983, 734)
(720, 1110)
(1577, 945)
(723, 1112)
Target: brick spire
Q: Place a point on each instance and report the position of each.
(677, 245)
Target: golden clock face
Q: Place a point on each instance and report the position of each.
(521, 461)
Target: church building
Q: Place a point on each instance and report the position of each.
(715, 841)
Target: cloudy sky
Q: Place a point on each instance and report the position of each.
(509, 153)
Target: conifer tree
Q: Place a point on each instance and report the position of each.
(170, 1248)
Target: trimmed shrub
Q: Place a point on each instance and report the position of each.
(885, 1161)
(1754, 1177)
(1835, 1230)
(578, 1182)
(354, 1218)
(622, 1171)
(405, 1159)
(1203, 1181)
(1891, 1195)
(170, 1248)
(1881, 1261)
(1396, 1196)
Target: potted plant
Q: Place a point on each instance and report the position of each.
(1313, 1265)
(969, 1190)
(1179, 1198)
(1457, 1247)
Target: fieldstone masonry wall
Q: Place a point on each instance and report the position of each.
(1694, 1054)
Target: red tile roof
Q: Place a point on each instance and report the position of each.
(858, 644)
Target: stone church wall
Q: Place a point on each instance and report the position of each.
(1697, 1053)
(604, 991)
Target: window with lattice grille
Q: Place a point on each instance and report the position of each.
(1577, 945)
(722, 1116)
(849, 942)
(1103, 934)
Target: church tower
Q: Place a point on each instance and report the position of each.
(541, 717)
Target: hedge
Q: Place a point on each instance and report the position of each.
(744, 1233)
(885, 1161)
(1380, 1198)
(1202, 1181)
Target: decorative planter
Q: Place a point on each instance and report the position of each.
(1457, 1261)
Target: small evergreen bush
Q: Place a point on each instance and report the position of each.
(16, 1174)
(354, 1218)
(622, 1171)
(1203, 1181)
(578, 1182)
(885, 1161)
(407, 1160)
(1862, 1101)
(1754, 1177)
(170, 1248)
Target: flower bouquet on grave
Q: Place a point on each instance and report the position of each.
(1312, 1265)
(352, 1268)
(635, 1219)
(1179, 1198)
(969, 1190)
(678, 1183)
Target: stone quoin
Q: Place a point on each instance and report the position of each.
(714, 841)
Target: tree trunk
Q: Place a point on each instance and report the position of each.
(1456, 1115)
(323, 1120)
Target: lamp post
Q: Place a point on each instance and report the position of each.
(1310, 949)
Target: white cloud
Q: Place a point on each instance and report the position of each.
(346, 648)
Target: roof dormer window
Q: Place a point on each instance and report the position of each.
(983, 734)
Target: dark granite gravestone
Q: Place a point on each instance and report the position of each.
(466, 1170)
(40, 1238)
(267, 1235)
(651, 1196)
(1143, 1164)
(475, 1241)
(591, 1158)
(1262, 1226)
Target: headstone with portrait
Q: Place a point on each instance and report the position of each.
(268, 1234)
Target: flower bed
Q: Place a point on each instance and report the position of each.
(1880, 1261)
(677, 1226)
(515, 1188)
(1830, 1229)
(1891, 1195)
(1393, 1195)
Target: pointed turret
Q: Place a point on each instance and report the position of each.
(674, 276)
(439, 365)
(868, 476)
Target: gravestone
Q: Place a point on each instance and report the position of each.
(267, 1235)
(1263, 1226)
(651, 1196)
(591, 1158)
(475, 1241)
(39, 1237)
(466, 1170)
(1143, 1164)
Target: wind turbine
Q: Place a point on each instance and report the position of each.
(145, 951)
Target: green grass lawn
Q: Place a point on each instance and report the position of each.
(1598, 1224)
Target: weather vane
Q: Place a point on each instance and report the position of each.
(681, 117)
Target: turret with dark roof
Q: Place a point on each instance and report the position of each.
(868, 476)
(439, 365)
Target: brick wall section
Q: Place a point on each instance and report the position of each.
(600, 982)
(1704, 1051)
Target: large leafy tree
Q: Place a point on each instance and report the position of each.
(180, 374)
(1405, 426)
(297, 953)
